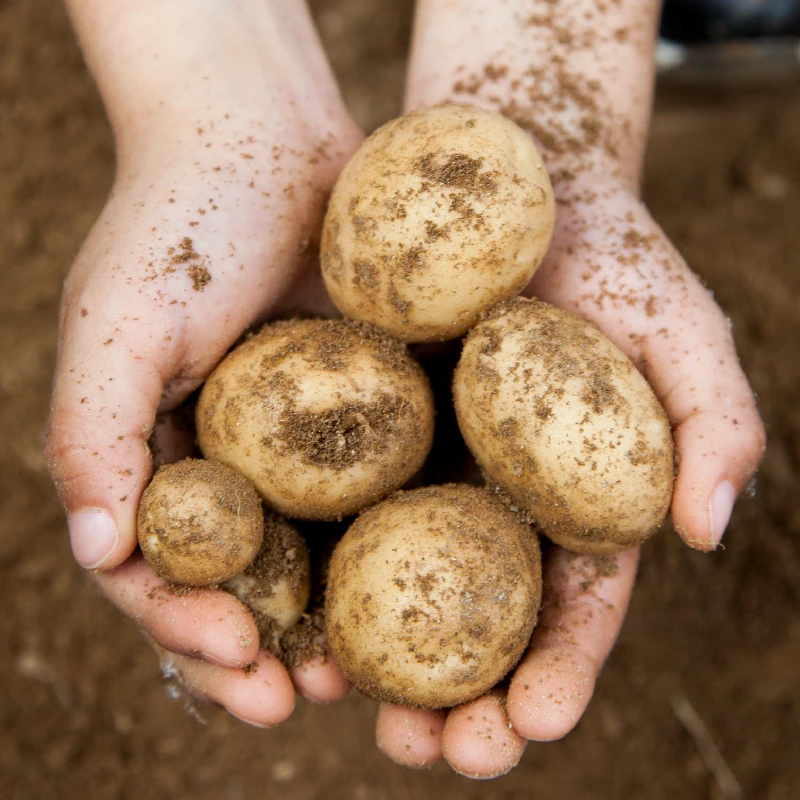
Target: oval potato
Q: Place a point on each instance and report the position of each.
(560, 419)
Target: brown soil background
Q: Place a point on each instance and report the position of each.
(83, 709)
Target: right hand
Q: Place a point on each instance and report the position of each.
(229, 183)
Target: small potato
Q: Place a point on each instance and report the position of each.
(559, 418)
(199, 523)
(437, 216)
(325, 417)
(276, 586)
(432, 596)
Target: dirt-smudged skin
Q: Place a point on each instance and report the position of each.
(438, 216)
(432, 596)
(199, 522)
(325, 417)
(566, 426)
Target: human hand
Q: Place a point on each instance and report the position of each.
(230, 133)
(579, 79)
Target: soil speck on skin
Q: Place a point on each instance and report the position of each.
(185, 254)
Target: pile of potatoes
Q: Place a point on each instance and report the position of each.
(435, 225)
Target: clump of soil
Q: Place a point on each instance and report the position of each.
(342, 436)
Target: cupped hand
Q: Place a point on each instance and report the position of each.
(578, 78)
(212, 225)
(610, 263)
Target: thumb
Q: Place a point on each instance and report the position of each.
(624, 275)
(102, 412)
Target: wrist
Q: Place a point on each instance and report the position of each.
(235, 139)
(194, 64)
(578, 75)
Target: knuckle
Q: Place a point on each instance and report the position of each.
(65, 448)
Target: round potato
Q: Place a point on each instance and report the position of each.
(199, 523)
(276, 586)
(325, 417)
(437, 216)
(432, 596)
(558, 417)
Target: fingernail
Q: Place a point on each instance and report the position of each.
(719, 510)
(93, 536)
(249, 721)
(219, 661)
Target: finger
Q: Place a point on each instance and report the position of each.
(202, 623)
(584, 604)
(411, 737)
(718, 433)
(320, 680)
(261, 696)
(101, 416)
(479, 741)
(613, 265)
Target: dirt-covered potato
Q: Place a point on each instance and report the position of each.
(432, 596)
(199, 523)
(438, 215)
(325, 417)
(559, 418)
(276, 586)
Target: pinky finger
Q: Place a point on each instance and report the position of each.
(320, 680)
(479, 741)
(262, 695)
(411, 737)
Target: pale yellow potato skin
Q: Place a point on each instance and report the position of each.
(432, 596)
(308, 370)
(439, 215)
(558, 417)
(199, 523)
(277, 585)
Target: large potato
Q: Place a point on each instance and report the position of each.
(325, 417)
(560, 419)
(199, 523)
(432, 596)
(438, 216)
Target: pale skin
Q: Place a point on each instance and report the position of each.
(230, 131)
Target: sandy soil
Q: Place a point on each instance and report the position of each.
(84, 711)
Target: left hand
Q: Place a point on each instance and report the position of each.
(610, 263)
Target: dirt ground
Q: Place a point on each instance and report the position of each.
(83, 710)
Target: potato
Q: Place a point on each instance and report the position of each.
(325, 417)
(560, 419)
(437, 216)
(432, 596)
(276, 586)
(199, 523)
